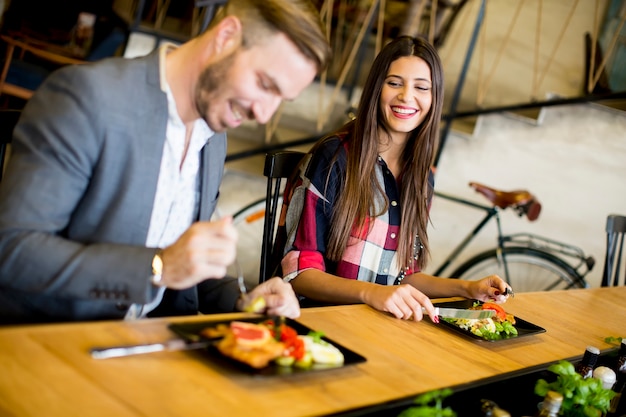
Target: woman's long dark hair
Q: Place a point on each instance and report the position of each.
(357, 199)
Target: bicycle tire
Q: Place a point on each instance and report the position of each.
(249, 223)
(530, 269)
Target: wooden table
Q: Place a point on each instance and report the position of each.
(47, 370)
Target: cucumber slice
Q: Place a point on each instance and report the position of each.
(285, 360)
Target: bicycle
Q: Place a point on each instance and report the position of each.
(528, 262)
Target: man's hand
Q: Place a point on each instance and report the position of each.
(204, 251)
(280, 299)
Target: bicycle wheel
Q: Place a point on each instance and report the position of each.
(249, 223)
(529, 269)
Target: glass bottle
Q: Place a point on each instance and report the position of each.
(606, 375)
(550, 405)
(618, 403)
(491, 409)
(620, 366)
(82, 34)
(586, 365)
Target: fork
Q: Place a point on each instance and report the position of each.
(509, 291)
(240, 280)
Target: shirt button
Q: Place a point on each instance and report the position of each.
(122, 306)
(393, 235)
(385, 270)
(394, 203)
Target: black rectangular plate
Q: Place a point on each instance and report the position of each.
(523, 327)
(191, 332)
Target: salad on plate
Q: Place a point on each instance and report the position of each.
(500, 326)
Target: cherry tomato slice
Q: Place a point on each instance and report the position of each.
(500, 313)
(287, 333)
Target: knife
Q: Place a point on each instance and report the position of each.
(458, 313)
(169, 346)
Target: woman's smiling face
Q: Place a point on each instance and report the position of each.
(406, 96)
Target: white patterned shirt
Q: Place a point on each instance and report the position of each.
(177, 197)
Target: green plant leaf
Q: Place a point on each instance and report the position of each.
(613, 340)
(316, 335)
(581, 397)
(423, 409)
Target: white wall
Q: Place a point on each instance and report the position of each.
(574, 163)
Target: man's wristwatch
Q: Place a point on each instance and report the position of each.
(157, 269)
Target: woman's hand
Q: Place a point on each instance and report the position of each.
(402, 301)
(489, 289)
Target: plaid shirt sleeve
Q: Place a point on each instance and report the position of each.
(307, 211)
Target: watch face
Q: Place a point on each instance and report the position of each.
(157, 265)
(157, 270)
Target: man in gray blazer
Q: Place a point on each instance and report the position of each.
(116, 167)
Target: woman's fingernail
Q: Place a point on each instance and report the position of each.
(436, 319)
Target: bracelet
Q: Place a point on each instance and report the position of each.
(401, 276)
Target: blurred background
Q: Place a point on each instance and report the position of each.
(535, 96)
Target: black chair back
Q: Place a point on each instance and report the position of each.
(8, 120)
(279, 165)
(613, 274)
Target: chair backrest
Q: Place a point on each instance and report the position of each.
(8, 120)
(13, 46)
(20, 78)
(279, 165)
(615, 231)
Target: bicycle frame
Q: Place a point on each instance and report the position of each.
(517, 239)
(491, 212)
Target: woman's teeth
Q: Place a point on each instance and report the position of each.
(403, 111)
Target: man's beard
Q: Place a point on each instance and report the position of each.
(209, 84)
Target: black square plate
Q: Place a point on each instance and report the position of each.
(523, 327)
(191, 332)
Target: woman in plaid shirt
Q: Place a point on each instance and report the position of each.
(354, 219)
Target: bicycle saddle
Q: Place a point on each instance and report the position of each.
(522, 200)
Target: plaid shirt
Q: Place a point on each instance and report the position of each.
(306, 219)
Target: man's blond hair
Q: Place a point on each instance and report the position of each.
(299, 20)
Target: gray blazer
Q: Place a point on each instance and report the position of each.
(76, 201)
